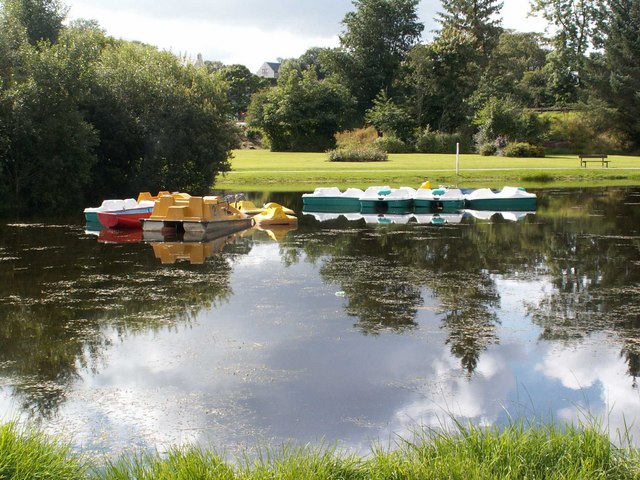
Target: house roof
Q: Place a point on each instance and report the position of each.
(274, 66)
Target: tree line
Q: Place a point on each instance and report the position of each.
(474, 79)
(84, 116)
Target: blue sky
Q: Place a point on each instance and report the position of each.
(248, 32)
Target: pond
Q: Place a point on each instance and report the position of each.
(345, 330)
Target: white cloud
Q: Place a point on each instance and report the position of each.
(247, 32)
(595, 364)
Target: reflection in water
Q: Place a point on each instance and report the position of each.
(344, 329)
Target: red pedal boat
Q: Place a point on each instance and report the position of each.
(124, 218)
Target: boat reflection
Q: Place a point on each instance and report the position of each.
(111, 235)
(276, 233)
(170, 246)
(427, 218)
(489, 215)
(170, 250)
(438, 218)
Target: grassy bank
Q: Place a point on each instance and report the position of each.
(261, 170)
(516, 452)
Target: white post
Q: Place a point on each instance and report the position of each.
(457, 158)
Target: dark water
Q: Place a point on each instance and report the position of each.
(338, 331)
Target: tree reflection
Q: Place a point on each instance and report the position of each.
(592, 260)
(65, 298)
(382, 271)
(379, 292)
(585, 241)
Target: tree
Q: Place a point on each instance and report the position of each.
(47, 155)
(41, 19)
(621, 85)
(502, 120)
(516, 68)
(302, 113)
(241, 85)
(377, 38)
(389, 119)
(163, 125)
(478, 18)
(580, 25)
(444, 74)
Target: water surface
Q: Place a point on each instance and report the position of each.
(343, 330)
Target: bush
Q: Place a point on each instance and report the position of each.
(502, 119)
(391, 144)
(253, 134)
(582, 131)
(487, 149)
(523, 149)
(362, 154)
(358, 137)
(441, 142)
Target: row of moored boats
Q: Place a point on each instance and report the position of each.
(403, 199)
(180, 212)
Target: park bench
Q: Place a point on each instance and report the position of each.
(596, 157)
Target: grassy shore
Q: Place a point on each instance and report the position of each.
(261, 170)
(516, 452)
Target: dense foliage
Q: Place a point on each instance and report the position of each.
(84, 117)
(484, 85)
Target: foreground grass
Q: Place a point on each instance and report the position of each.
(516, 452)
(263, 170)
(30, 455)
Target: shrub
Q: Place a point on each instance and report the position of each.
(253, 134)
(441, 142)
(362, 154)
(506, 119)
(391, 144)
(487, 149)
(389, 118)
(359, 137)
(582, 131)
(523, 149)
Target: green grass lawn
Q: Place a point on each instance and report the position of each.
(286, 171)
(515, 452)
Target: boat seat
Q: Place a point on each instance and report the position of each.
(196, 207)
(177, 212)
(162, 206)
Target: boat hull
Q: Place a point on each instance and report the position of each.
(332, 203)
(331, 199)
(129, 219)
(438, 204)
(503, 204)
(91, 217)
(197, 227)
(385, 205)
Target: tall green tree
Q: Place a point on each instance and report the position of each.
(478, 18)
(241, 85)
(378, 35)
(302, 113)
(48, 144)
(444, 75)
(621, 85)
(162, 125)
(516, 68)
(41, 19)
(579, 25)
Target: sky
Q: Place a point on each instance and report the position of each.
(248, 32)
